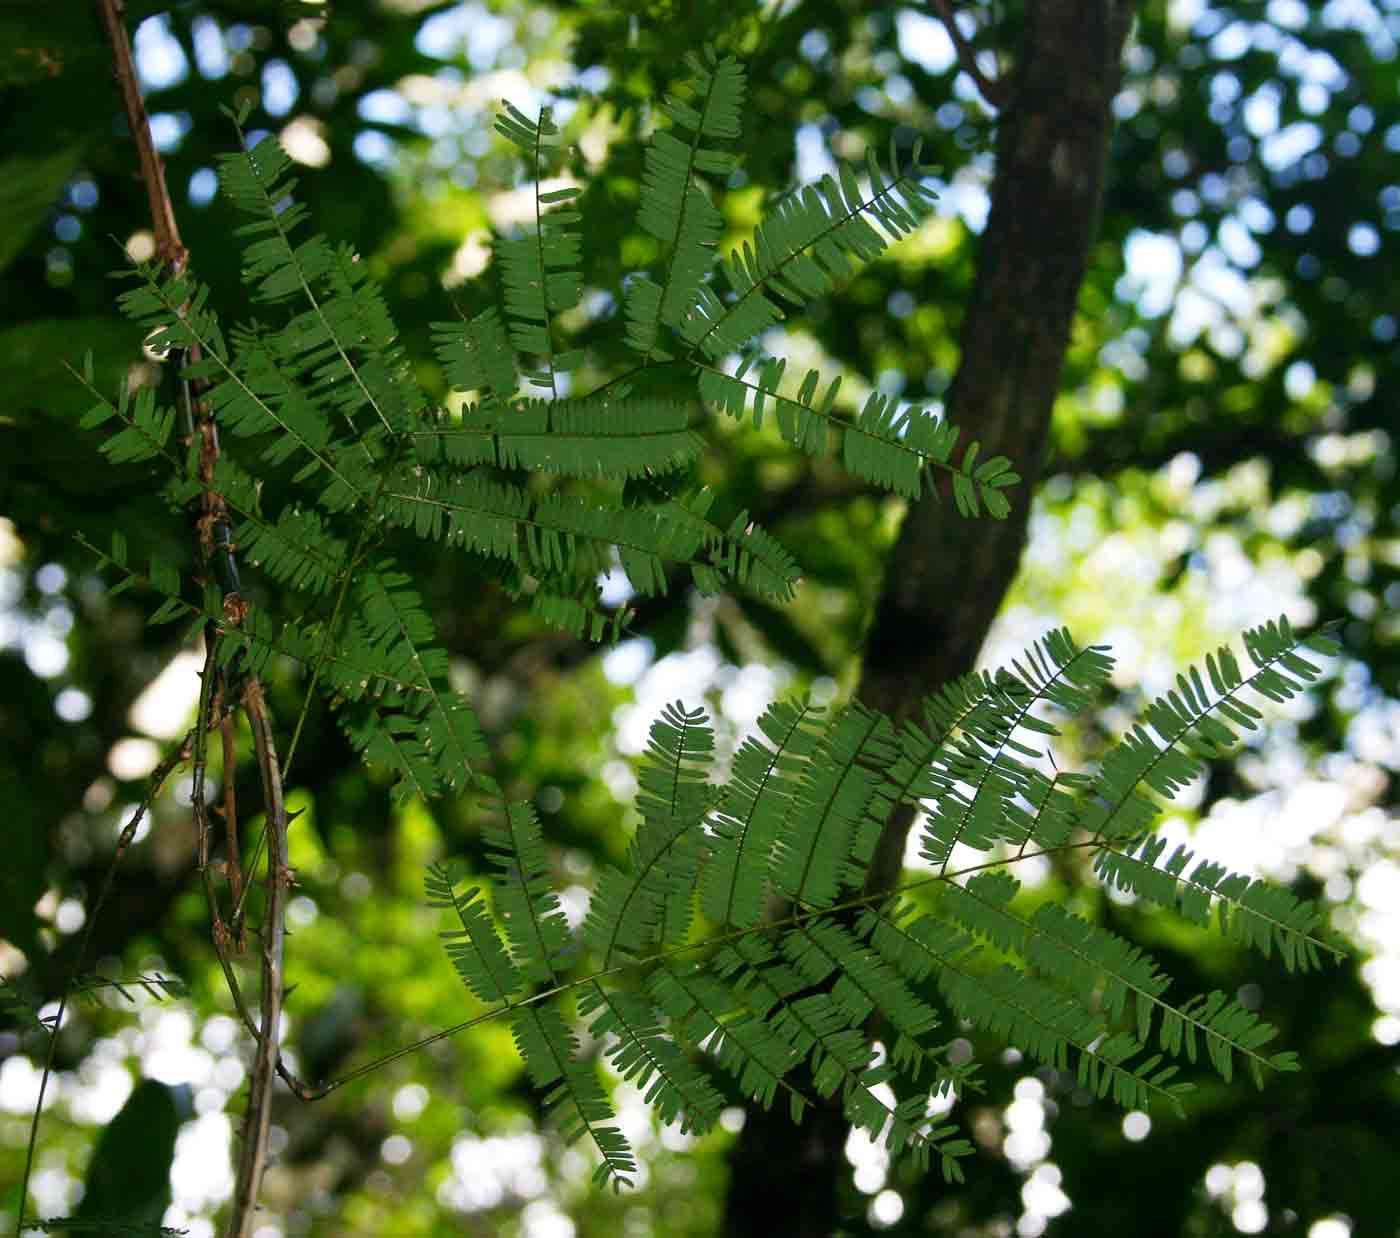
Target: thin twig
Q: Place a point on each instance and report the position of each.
(215, 546)
(169, 248)
(252, 1156)
(991, 89)
(124, 841)
(230, 815)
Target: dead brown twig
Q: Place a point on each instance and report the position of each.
(257, 1121)
(212, 530)
(169, 247)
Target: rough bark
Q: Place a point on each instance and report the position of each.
(947, 577)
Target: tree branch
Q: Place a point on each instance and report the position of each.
(991, 89)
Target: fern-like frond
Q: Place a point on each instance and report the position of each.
(1189, 727)
(476, 951)
(540, 270)
(1046, 1023)
(354, 672)
(841, 807)
(161, 577)
(572, 1089)
(1096, 969)
(811, 1023)
(761, 792)
(813, 238)
(578, 438)
(1024, 1010)
(1227, 1030)
(343, 341)
(741, 552)
(556, 534)
(978, 772)
(250, 396)
(916, 772)
(892, 447)
(393, 632)
(582, 615)
(298, 549)
(1095, 966)
(819, 1030)
(476, 355)
(386, 736)
(706, 1011)
(672, 781)
(539, 936)
(924, 768)
(1254, 913)
(540, 942)
(651, 902)
(674, 208)
(648, 1058)
(864, 983)
(146, 425)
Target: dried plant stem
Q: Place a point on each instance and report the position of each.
(253, 1153)
(215, 548)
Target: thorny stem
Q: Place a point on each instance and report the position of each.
(214, 544)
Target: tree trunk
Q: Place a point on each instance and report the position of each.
(947, 576)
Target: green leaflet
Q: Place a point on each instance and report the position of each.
(606, 439)
(775, 987)
(540, 270)
(736, 934)
(534, 921)
(651, 902)
(1189, 727)
(477, 354)
(650, 1059)
(297, 550)
(574, 1092)
(560, 537)
(674, 208)
(762, 790)
(813, 238)
(428, 734)
(980, 774)
(889, 446)
(829, 835)
(1254, 913)
(342, 339)
(864, 982)
(475, 949)
(147, 427)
